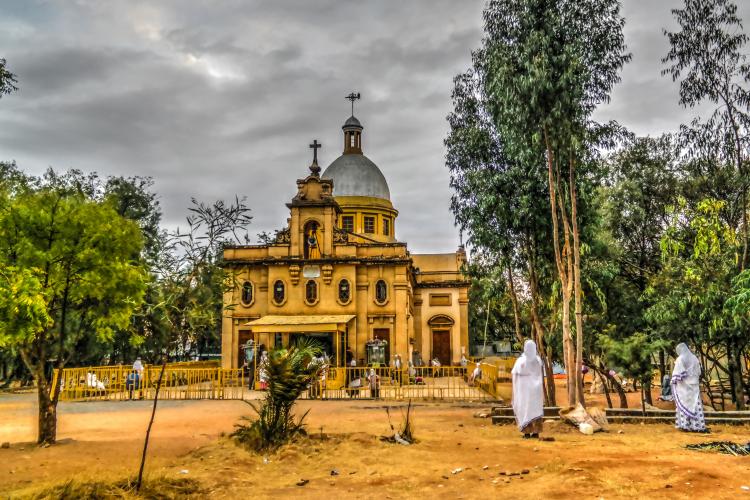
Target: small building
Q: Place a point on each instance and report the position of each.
(336, 272)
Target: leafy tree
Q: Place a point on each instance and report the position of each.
(68, 264)
(548, 65)
(707, 58)
(633, 356)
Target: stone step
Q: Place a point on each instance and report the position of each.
(633, 419)
(553, 411)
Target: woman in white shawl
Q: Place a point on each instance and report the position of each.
(528, 391)
(686, 390)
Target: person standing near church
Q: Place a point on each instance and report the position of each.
(528, 391)
(686, 390)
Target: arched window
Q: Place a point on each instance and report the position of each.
(345, 291)
(311, 292)
(279, 291)
(247, 293)
(381, 292)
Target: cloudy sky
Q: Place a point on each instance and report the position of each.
(215, 98)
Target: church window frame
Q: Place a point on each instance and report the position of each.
(312, 292)
(386, 226)
(347, 223)
(344, 292)
(368, 224)
(279, 296)
(247, 293)
(381, 292)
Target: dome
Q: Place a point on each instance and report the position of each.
(352, 122)
(357, 175)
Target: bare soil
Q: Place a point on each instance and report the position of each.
(102, 442)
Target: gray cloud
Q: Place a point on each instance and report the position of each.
(216, 99)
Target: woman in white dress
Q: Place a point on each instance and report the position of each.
(528, 391)
(686, 391)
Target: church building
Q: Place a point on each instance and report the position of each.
(337, 272)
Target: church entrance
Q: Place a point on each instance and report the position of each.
(384, 334)
(441, 346)
(325, 340)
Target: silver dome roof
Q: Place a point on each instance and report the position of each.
(352, 122)
(357, 175)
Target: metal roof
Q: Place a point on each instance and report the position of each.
(357, 175)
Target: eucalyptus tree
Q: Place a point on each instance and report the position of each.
(7, 79)
(708, 57)
(548, 64)
(500, 203)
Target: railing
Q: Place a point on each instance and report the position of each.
(430, 383)
(180, 381)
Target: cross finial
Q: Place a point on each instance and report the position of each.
(314, 168)
(353, 97)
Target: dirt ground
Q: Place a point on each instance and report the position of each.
(103, 441)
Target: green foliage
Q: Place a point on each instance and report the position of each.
(23, 310)
(633, 355)
(7, 79)
(290, 373)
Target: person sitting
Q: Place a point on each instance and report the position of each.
(666, 389)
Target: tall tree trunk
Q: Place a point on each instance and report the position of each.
(647, 391)
(561, 269)
(514, 301)
(735, 364)
(577, 283)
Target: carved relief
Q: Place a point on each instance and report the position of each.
(283, 236)
(294, 270)
(327, 273)
(340, 236)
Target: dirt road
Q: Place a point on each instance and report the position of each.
(103, 441)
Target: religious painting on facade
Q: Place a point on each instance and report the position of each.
(247, 293)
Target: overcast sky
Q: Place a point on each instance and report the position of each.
(213, 99)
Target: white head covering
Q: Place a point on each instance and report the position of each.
(686, 381)
(528, 386)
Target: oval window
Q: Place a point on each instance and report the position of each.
(247, 293)
(381, 291)
(345, 291)
(278, 292)
(311, 292)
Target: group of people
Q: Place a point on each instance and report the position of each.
(683, 388)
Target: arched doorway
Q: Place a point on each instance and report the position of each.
(441, 327)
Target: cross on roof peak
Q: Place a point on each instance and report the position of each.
(353, 97)
(314, 168)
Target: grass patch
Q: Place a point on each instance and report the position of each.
(161, 488)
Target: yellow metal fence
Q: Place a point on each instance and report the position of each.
(180, 381)
(429, 383)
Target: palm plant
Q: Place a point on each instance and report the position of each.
(290, 373)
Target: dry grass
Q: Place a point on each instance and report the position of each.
(161, 488)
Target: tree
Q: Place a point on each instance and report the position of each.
(68, 265)
(7, 79)
(706, 56)
(548, 64)
(290, 373)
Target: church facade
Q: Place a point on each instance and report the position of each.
(337, 273)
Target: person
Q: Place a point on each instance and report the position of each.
(528, 391)
(687, 391)
(138, 366)
(263, 371)
(476, 374)
(134, 380)
(373, 379)
(666, 389)
(397, 366)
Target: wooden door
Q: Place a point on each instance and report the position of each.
(441, 346)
